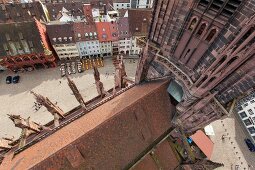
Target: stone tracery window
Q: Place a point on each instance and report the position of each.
(192, 24)
(211, 35)
(201, 29)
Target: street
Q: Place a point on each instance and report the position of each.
(17, 99)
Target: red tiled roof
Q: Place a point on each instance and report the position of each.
(140, 19)
(108, 137)
(104, 31)
(203, 142)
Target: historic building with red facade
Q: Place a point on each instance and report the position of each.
(24, 45)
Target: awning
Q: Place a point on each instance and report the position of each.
(203, 142)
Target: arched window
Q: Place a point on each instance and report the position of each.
(219, 63)
(211, 35)
(211, 80)
(192, 24)
(201, 81)
(201, 29)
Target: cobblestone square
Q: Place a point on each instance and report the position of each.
(16, 98)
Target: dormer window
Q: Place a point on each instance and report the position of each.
(136, 28)
(54, 39)
(65, 38)
(86, 35)
(95, 34)
(90, 34)
(70, 38)
(79, 35)
(59, 39)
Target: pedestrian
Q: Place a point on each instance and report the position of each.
(59, 81)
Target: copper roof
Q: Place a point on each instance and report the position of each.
(19, 38)
(108, 137)
(203, 142)
(85, 31)
(20, 12)
(61, 33)
(140, 19)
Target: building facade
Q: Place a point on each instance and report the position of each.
(140, 19)
(62, 39)
(21, 49)
(208, 47)
(245, 109)
(124, 36)
(105, 38)
(121, 4)
(86, 39)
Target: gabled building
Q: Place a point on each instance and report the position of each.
(115, 37)
(25, 46)
(61, 36)
(66, 11)
(140, 19)
(86, 39)
(105, 38)
(121, 4)
(124, 35)
(20, 12)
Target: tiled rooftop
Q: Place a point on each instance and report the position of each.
(109, 137)
(19, 38)
(140, 19)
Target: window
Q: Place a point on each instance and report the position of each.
(192, 24)
(201, 29)
(247, 122)
(250, 112)
(251, 130)
(243, 115)
(211, 35)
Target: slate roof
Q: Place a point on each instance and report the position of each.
(85, 31)
(140, 19)
(19, 38)
(21, 12)
(108, 137)
(63, 32)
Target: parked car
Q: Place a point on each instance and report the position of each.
(79, 66)
(15, 79)
(68, 68)
(62, 70)
(73, 70)
(8, 79)
(250, 145)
